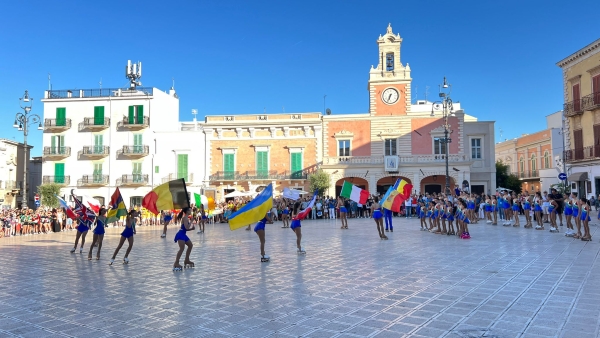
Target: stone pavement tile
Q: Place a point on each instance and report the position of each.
(313, 322)
(38, 334)
(429, 332)
(298, 330)
(437, 324)
(320, 333)
(402, 328)
(362, 331)
(541, 331)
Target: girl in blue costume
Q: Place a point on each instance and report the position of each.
(377, 216)
(260, 231)
(488, 210)
(429, 215)
(515, 210)
(296, 226)
(552, 214)
(576, 215)
(422, 216)
(450, 218)
(506, 205)
(471, 207)
(98, 233)
(527, 211)
(464, 220)
(285, 215)
(127, 234)
(203, 219)
(82, 230)
(500, 206)
(568, 215)
(495, 210)
(443, 217)
(585, 218)
(167, 217)
(182, 239)
(343, 211)
(537, 210)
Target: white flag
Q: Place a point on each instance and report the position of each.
(291, 194)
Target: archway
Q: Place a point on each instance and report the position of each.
(357, 181)
(436, 184)
(384, 183)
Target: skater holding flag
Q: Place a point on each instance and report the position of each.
(127, 234)
(260, 231)
(86, 218)
(183, 240)
(98, 234)
(297, 217)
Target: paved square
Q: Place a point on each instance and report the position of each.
(504, 282)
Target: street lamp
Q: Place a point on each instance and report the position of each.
(22, 123)
(445, 105)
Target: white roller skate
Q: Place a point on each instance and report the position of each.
(301, 251)
(188, 264)
(264, 258)
(553, 229)
(72, 250)
(177, 268)
(163, 236)
(112, 260)
(125, 260)
(80, 250)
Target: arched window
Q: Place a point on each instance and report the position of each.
(521, 166)
(533, 166)
(546, 160)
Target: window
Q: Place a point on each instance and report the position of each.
(390, 147)
(156, 169)
(476, 148)
(389, 62)
(136, 115)
(97, 172)
(522, 166)
(533, 166)
(343, 147)
(296, 165)
(99, 116)
(576, 98)
(57, 145)
(135, 201)
(546, 160)
(98, 144)
(439, 146)
(182, 166)
(229, 166)
(61, 117)
(596, 89)
(59, 173)
(138, 148)
(136, 172)
(262, 164)
(578, 143)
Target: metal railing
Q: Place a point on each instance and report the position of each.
(99, 92)
(258, 175)
(584, 153)
(125, 123)
(573, 108)
(57, 151)
(94, 179)
(528, 174)
(189, 177)
(57, 123)
(12, 185)
(135, 150)
(66, 180)
(92, 123)
(133, 179)
(591, 102)
(359, 160)
(90, 151)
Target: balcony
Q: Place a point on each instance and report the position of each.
(189, 178)
(62, 180)
(257, 175)
(12, 185)
(133, 125)
(133, 151)
(95, 180)
(56, 125)
(56, 152)
(92, 124)
(528, 174)
(369, 161)
(98, 92)
(132, 180)
(582, 154)
(93, 152)
(591, 102)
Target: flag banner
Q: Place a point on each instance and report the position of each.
(354, 193)
(207, 202)
(85, 214)
(117, 207)
(399, 193)
(167, 196)
(253, 211)
(91, 203)
(292, 194)
(68, 210)
(403, 187)
(302, 215)
(385, 197)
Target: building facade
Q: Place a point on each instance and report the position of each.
(12, 157)
(581, 84)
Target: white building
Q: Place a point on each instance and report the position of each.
(11, 173)
(98, 139)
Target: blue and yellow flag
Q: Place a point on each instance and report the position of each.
(117, 206)
(253, 211)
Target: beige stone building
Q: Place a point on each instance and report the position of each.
(12, 156)
(581, 82)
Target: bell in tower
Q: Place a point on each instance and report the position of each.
(389, 62)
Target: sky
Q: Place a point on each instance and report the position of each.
(247, 57)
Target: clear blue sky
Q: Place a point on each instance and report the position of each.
(240, 57)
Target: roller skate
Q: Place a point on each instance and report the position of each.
(465, 235)
(72, 250)
(553, 229)
(570, 233)
(90, 257)
(81, 250)
(188, 264)
(177, 268)
(384, 237)
(163, 236)
(301, 251)
(112, 260)
(125, 260)
(264, 258)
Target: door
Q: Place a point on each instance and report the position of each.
(229, 166)
(596, 89)
(57, 145)
(262, 164)
(140, 115)
(576, 98)
(182, 166)
(296, 165)
(99, 116)
(137, 172)
(138, 148)
(59, 173)
(97, 172)
(433, 188)
(131, 116)
(61, 117)
(98, 144)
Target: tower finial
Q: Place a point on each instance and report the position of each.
(389, 28)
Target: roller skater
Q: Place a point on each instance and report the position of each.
(296, 226)
(182, 239)
(98, 234)
(127, 234)
(260, 231)
(202, 219)
(166, 220)
(82, 231)
(377, 216)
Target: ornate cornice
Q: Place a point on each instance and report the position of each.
(344, 134)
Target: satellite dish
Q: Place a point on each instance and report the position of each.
(328, 111)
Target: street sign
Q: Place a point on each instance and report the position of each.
(562, 176)
(37, 203)
(37, 197)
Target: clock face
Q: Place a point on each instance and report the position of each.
(390, 96)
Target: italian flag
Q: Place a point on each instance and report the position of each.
(354, 193)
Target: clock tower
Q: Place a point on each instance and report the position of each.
(389, 82)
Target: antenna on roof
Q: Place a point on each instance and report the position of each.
(426, 92)
(173, 86)
(100, 83)
(134, 73)
(49, 84)
(500, 134)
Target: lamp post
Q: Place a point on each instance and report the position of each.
(22, 123)
(445, 105)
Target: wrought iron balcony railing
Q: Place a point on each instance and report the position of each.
(258, 175)
(56, 124)
(134, 123)
(133, 179)
(591, 102)
(64, 180)
(56, 152)
(525, 174)
(581, 154)
(94, 151)
(91, 123)
(135, 150)
(93, 180)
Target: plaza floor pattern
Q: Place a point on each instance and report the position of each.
(504, 282)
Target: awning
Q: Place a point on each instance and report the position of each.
(576, 177)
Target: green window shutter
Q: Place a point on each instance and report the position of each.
(59, 173)
(140, 115)
(229, 165)
(131, 119)
(137, 172)
(182, 166)
(99, 116)
(97, 172)
(296, 165)
(137, 143)
(156, 169)
(61, 116)
(98, 144)
(262, 164)
(61, 144)
(53, 145)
